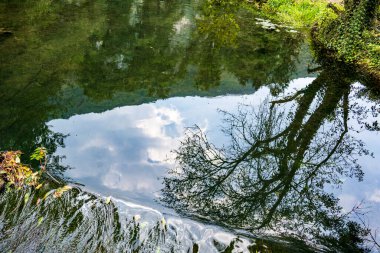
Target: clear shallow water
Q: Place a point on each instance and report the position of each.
(109, 88)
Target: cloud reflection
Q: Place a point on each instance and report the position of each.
(128, 149)
(125, 151)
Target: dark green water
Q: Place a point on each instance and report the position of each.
(109, 87)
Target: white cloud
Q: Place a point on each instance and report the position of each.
(348, 201)
(375, 196)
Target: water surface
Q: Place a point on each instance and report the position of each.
(110, 87)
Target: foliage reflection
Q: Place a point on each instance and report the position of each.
(114, 53)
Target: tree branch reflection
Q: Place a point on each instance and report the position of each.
(279, 161)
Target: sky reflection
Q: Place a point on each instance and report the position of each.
(125, 152)
(127, 149)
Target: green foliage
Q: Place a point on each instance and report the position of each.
(229, 39)
(39, 154)
(351, 32)
(223, 28)
(353, 36)
(223, 5)
(14, 173)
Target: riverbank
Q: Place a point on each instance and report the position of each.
(350, 35)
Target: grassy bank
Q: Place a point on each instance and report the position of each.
(341, 34)
(298, 13)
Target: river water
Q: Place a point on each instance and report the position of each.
(114, 90)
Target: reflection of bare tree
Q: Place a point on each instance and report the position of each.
(275, 170)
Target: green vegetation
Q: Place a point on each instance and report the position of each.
(16, 175)
(354, 36)
(348, 32)
(298, 13)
